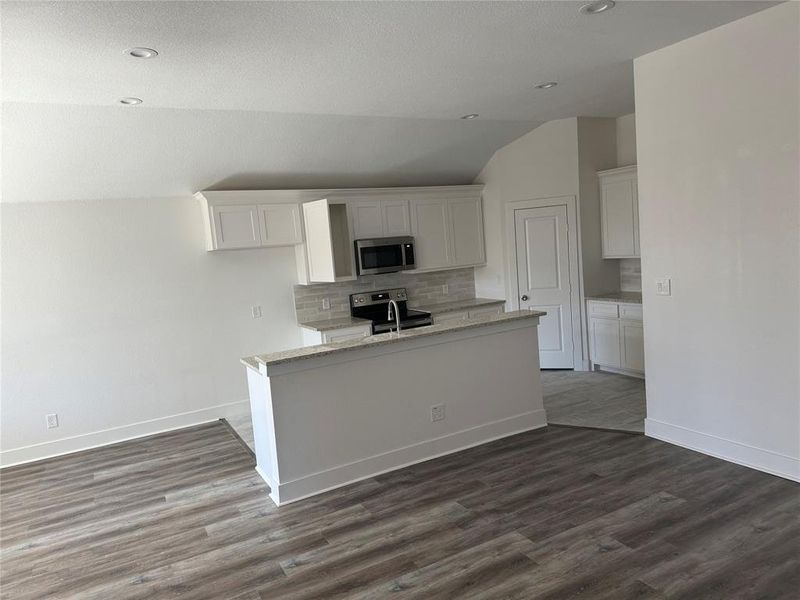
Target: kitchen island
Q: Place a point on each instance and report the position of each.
(328, 415)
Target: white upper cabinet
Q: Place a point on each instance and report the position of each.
(396, 217)
(466, 216)
(446, 222)
(376, 218)
(448, 232)
(430, 225)
(280, 224)
(236, 220)
(235, 227)
(367, 219)
(329, 251)
(620, 212)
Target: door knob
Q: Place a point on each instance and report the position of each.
(524, 298)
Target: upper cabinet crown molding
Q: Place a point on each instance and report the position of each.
(307, 195)
(619, 201)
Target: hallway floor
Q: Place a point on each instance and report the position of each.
(594, 399)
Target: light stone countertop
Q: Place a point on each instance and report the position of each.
(331, 324)
(296, 354)
(624, 297)
(456, 305)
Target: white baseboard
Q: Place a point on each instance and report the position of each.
(76, 443)
(629, 373)
(323, 481)
(746, 455)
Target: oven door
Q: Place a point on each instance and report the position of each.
(382, 255)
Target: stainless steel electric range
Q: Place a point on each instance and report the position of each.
(380, 306)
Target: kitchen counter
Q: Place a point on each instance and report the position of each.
(372, 341)
(325, 416)
(434, 309)
(332, 324)
(457, 305)
(624, 297)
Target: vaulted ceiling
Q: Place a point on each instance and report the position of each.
(305, 94)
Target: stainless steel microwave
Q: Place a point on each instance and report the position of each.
(384, 255)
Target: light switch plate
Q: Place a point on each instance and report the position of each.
(256, 312)
(663, 286)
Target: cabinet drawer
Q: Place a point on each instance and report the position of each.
(632, 312)
(603, 309)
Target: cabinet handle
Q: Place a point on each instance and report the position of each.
(524, 298)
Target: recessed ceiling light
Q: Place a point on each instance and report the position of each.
(470, 117)
(547, 86)
(141, 52)
(594, 8)
(130, 101)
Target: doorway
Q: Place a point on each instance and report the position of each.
(545, 275)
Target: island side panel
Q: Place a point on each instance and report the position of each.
(339, 423)
(263, 427)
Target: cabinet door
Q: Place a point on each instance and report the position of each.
(466, 217)
(431, 229)
(620, 218)
(319, 241)
(632, 334)
(605, 342)
(367, 219)
(396, 218)
(280, 224)
(236, 226)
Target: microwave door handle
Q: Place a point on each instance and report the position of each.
(405, 260)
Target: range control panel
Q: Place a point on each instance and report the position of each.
(379, 297)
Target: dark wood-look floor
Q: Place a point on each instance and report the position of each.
(557, 513)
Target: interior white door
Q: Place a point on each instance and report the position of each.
(543, 275)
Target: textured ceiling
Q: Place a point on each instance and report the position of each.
(383, 82)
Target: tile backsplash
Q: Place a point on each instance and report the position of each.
(630, 275)
(423, 288)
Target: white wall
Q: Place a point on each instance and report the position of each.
(540, 164)
(626, 140)
(718, 153)
(559, 158)
(114, 316)
(597, 151)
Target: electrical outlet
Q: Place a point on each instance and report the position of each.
(256, 312)
(445, 290)
(663, 286)
(437, 412)
(52, 420)
(326, 304)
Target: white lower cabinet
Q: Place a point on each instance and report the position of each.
(605, 339)
(614, 342)
(632, 344)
